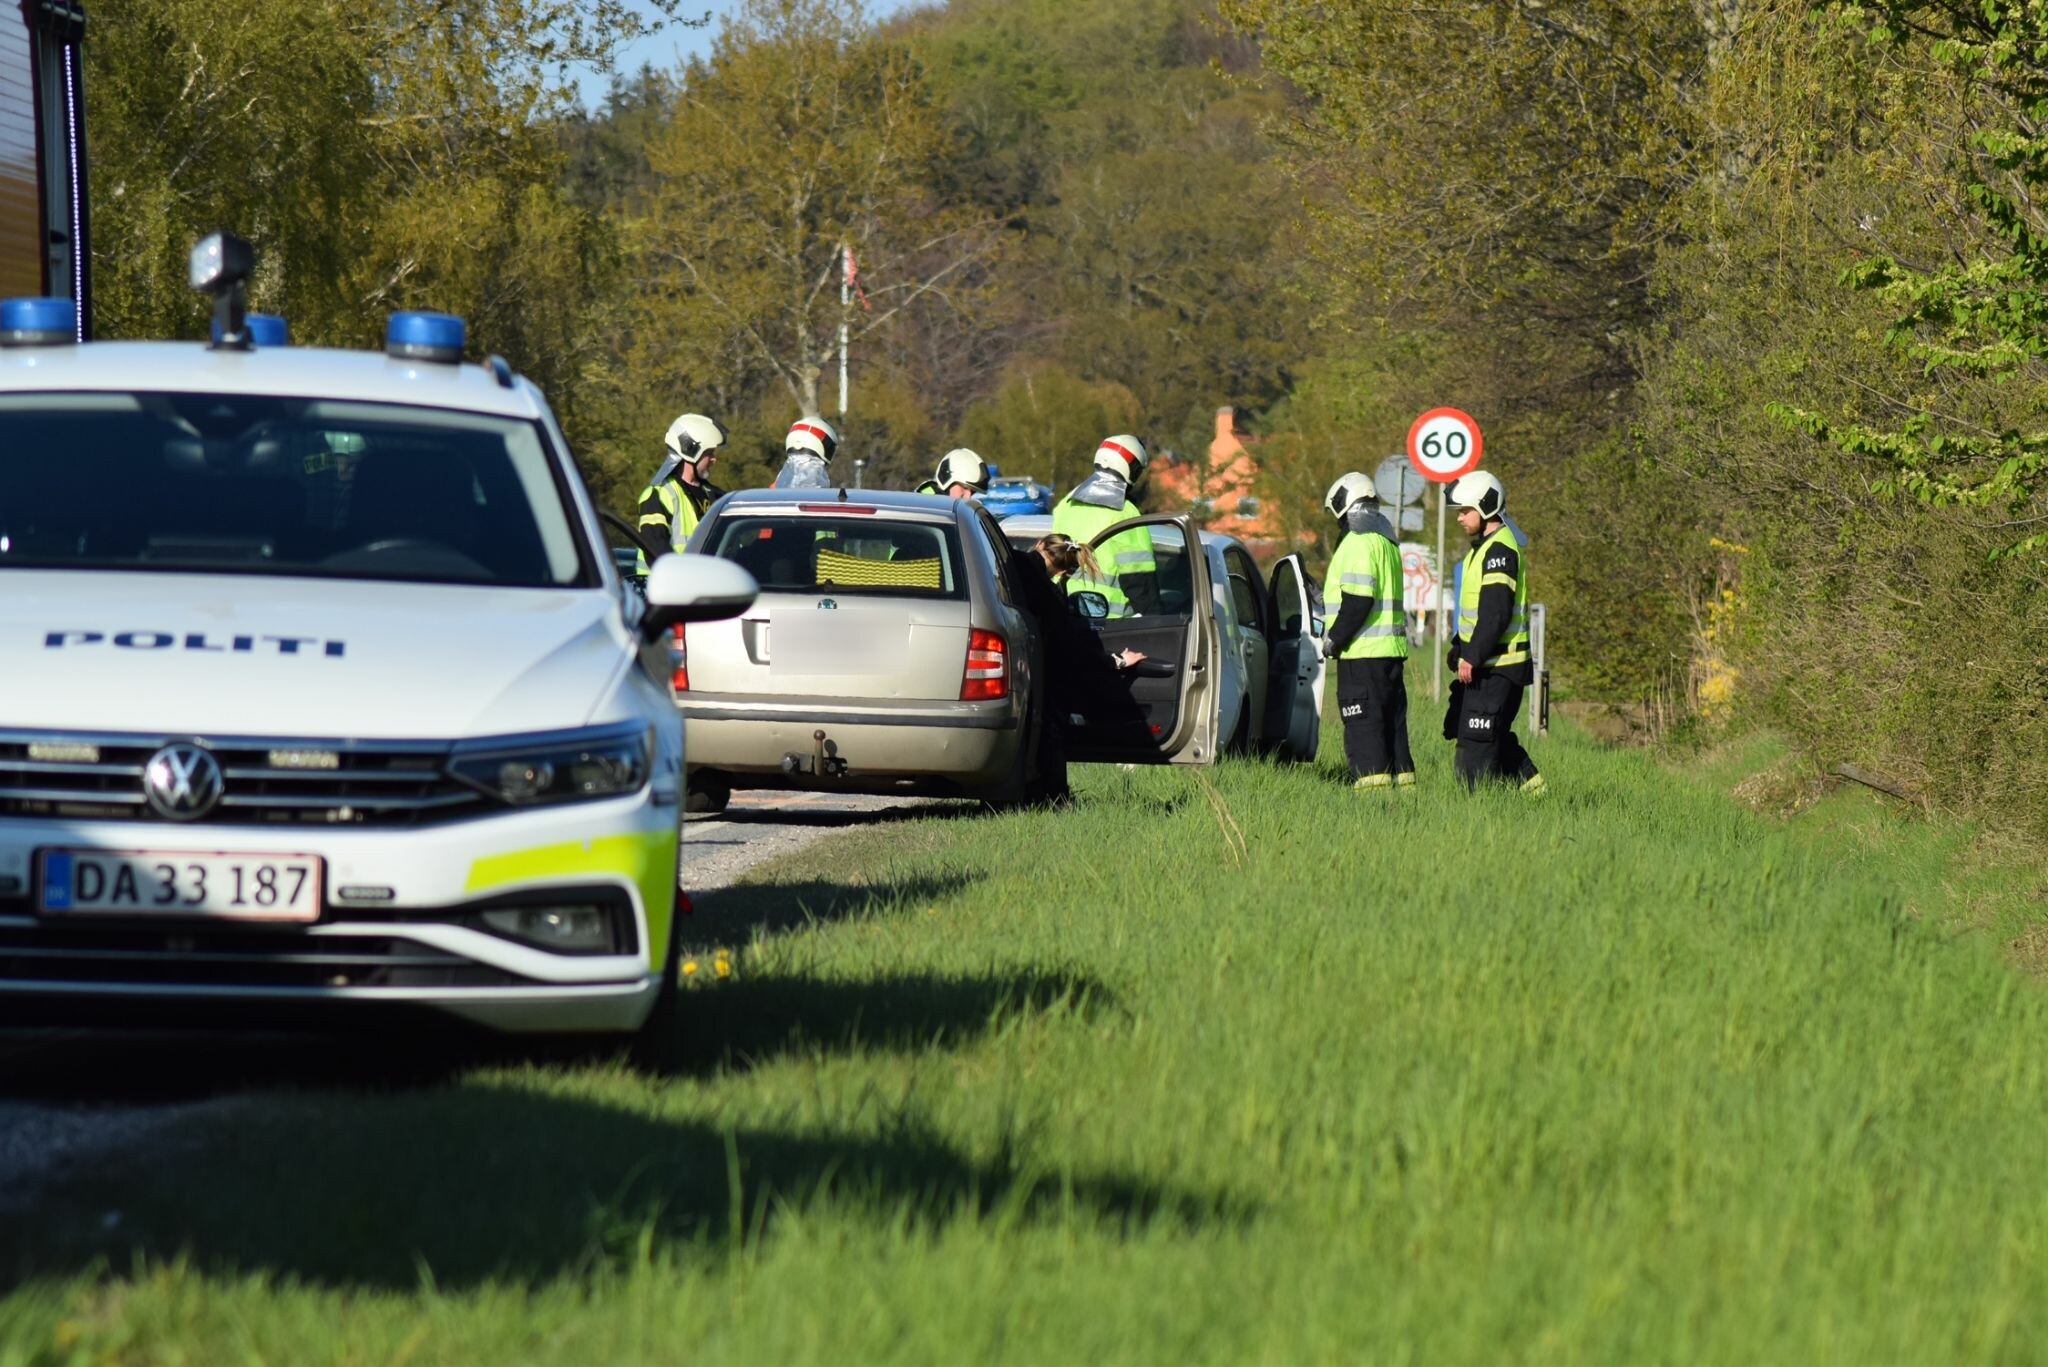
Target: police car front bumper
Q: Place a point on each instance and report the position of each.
(402, 919)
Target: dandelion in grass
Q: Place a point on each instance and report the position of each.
(689, 968)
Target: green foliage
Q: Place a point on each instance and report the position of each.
(1985, 316)
(1045, 421)
(1485, 187)
(1177, 306)
(804, 133)
(380, 156)
(1646, 1079)
(1871, 626)
(1615, 232)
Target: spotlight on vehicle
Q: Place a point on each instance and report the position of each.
(221, 266)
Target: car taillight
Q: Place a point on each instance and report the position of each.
(987, 675)
(679, 656)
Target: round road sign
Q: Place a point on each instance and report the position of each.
(1445, 443)
(1397, 481)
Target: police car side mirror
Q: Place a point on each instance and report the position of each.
(686, 587)
(1090, 604)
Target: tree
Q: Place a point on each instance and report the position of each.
(380, 155)
(1045, 421)
(1160, 270)
(1983, 317)
(804, 135)
(1501, 166)
(1486, 187)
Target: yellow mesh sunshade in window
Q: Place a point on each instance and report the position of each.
(851, 570)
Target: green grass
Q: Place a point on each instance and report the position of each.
(1629, 1075)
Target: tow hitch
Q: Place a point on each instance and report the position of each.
(822, 762)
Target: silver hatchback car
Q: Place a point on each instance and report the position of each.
(889, 651)
(893, 650)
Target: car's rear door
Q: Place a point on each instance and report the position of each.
(1165, 710)
(1294, 691)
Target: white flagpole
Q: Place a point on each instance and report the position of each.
(845, 314)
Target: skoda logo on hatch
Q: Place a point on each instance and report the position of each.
(827, 603)
(182, 782)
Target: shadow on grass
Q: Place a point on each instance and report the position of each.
(732, 916)
(397, 1169)
(832, 818)
(753, 1021)
(494, 1182)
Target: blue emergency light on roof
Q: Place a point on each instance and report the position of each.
(425, 337)
(38, 322)
(265, 329)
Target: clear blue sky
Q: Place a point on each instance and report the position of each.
(675, 44)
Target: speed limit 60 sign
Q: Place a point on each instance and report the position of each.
(1444, 443)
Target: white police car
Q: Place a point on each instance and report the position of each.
(317, 685)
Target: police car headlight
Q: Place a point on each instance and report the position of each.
(565, 767)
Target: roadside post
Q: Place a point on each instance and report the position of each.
(1443, 444)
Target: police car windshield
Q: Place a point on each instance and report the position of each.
(252, 484)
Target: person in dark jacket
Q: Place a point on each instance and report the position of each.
(1081, 679)
(1491, 652)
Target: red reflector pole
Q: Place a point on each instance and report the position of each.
(679, 656)
(987, 675)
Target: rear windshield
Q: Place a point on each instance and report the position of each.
(263, 485)
(792, 553)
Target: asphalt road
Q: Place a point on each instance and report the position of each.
(68, 1095)
(758, 827)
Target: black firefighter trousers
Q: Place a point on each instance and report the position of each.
(1372, 698)
(1482, 721)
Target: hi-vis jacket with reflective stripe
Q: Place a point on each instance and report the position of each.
(1124, 554)
(1493, 605)
(1367, 566)
(675, 508)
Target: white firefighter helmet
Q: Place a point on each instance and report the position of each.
(693, 436)
(961, 466)
(1123, 456)
(813, 435)
(1349, 490)
(1481, 491)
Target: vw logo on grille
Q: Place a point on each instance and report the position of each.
(182, 782)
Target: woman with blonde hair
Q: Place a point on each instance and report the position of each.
(1065, 556)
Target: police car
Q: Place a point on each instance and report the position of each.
(320, 686)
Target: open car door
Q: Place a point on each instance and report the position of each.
(1164, 711)
(1294, 688)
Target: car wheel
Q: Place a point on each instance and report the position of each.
(1241, 734)
(707, 794)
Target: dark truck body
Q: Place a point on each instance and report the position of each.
(42, 153)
